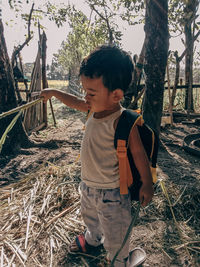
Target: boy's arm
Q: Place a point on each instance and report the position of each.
(142, 164)
(68, 99)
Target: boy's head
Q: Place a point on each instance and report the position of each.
(114, 65)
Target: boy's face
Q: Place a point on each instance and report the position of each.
(98, 97)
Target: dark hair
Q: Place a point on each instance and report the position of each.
(112, 63)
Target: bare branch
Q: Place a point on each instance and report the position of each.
(20, 47)
(193, 40)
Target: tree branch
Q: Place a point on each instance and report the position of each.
(20, 47)
(193, 40)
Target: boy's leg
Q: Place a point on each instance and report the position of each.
(115, 210)
(93, 234)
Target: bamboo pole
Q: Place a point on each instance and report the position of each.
(44, 80)
(23, 107)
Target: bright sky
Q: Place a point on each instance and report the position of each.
(132, 40)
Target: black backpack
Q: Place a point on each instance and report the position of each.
(150, 140)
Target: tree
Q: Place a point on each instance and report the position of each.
(17, 137)
(106, 15)
(156, 52)
(83, 37)
(189, 30)
(182, 18)
(56, 71)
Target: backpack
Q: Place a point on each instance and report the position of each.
(129, 175)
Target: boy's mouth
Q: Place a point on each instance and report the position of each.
(89, 106)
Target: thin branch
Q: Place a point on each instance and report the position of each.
(20, 47)
(192, 41)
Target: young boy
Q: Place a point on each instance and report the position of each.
(105, 75)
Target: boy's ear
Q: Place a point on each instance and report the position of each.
(118, 94)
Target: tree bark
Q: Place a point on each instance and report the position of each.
(17, 136)
(156, 53)
(189, 68)
(176, 80)
(190, 11)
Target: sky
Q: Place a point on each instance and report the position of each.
(132, 40)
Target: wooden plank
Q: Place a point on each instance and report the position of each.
(37, 128)
(34, 94)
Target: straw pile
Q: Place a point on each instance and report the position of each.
(39, 215)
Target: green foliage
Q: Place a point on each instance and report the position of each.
(84, 36)
(181, 13)
(131, 11)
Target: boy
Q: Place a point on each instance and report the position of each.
(105, 75)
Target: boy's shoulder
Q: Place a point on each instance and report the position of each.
(128, 119)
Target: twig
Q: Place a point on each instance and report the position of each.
(2, 254)
(84, 261)
(166, 254)
(28, 224)
(20, 47)
(173, 215)
(21, 253)
(185, 244)
(68, 209)
(173, 205)
(51, 251)
(15, 252)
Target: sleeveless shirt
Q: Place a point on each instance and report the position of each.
(99, 162)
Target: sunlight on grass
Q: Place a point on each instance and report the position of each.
(57, 84)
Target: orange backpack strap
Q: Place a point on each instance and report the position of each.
(124, 167)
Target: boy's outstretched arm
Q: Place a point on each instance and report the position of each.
(142, 164)
(68, 99)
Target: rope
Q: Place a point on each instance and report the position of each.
(14, 110)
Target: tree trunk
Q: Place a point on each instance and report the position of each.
(190, 11)
(189, 68)
(17, 136)
(176, 80)
(156, 53)
(135, 88)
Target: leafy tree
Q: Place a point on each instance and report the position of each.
(84, 36)
(183, 19)
(56, 70)
(28, 68)
(105, 13)
(17, 137)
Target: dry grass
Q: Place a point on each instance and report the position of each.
(39, 215)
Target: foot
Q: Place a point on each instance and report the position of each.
(80, 245)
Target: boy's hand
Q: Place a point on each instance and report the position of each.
(146, 194)
(46, 94)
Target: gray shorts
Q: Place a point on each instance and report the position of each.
(107, 216)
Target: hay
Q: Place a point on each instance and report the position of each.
(39, 215)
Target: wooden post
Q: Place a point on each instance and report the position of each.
(170, 97)
(44, 79)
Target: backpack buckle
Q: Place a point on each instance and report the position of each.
(121, 148)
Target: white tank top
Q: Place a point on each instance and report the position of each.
(99, 163)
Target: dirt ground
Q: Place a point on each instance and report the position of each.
(168, 229)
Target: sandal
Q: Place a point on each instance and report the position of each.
(81, 246)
